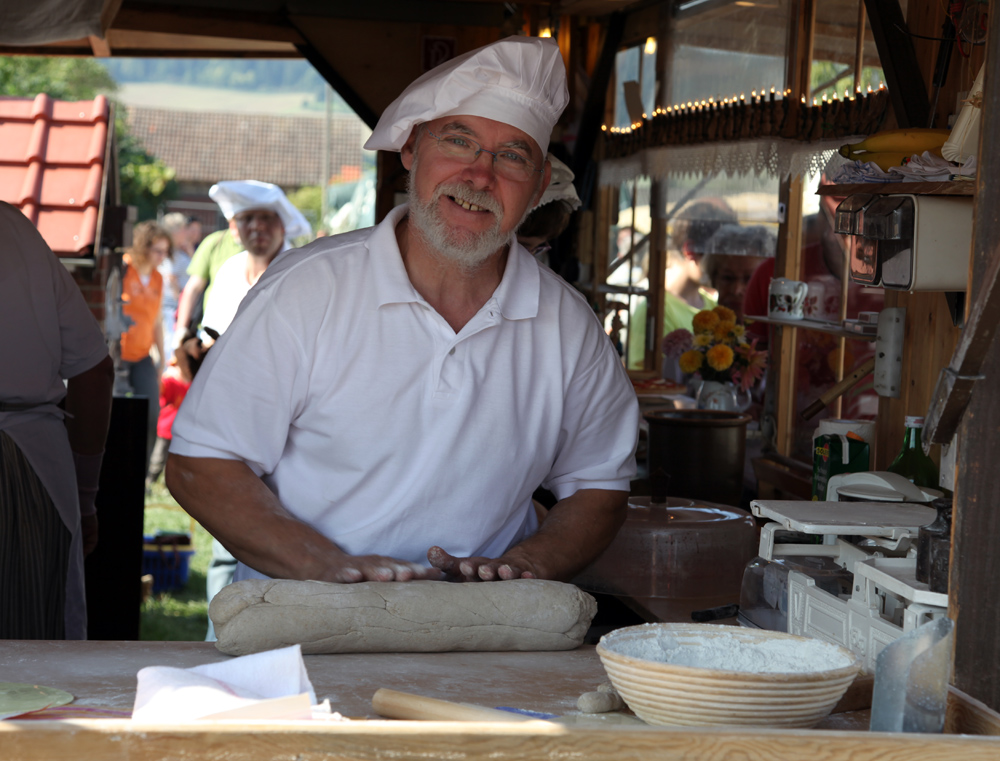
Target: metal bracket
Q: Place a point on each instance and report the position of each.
(889, 352)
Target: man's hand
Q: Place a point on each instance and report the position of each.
(350, 569)
(503, 568)
(88, 528)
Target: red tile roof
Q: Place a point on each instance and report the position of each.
(52, 160)
(208, 147)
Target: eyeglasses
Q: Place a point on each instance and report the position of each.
(260, 217)
(541, 248)
(507, 163)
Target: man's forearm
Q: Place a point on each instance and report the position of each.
(576, 531)
(192, 292)
(237, 508)
(88, 402)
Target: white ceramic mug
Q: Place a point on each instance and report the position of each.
(786, 298)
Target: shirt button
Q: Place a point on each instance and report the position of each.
(452, 351)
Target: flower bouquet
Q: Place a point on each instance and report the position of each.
(717, 350)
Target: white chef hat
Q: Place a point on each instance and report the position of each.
(560, 186)
(520, 81)
(234, 196)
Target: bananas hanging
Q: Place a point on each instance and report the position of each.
(895, 147)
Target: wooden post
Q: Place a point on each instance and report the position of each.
(975, 561)
(788, 259)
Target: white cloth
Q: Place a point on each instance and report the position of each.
(234, 196)
(43, 21)
(269, 685)
(560, 185)
(520, 81)
(230, 286)
(48, 335)
(380, 427)
(926, 167)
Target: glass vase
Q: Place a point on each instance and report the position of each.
(721, 395)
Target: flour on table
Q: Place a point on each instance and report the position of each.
(728, 652)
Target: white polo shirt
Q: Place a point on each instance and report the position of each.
(377, 424)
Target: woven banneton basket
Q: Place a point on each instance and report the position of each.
(674, 695)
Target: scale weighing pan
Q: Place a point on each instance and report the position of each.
(893, 520)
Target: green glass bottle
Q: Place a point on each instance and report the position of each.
(911, 462)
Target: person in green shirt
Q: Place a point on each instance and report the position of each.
(685, 293)
(211, 254)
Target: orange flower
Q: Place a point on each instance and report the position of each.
(690, 361)
(705, 320)
(723, 329)
(720, 357)
(725, 313)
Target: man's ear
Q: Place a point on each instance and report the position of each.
(409, 149)
(546, 178)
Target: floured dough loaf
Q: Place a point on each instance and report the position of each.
(393, 617)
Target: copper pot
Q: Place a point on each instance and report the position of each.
(675, 556)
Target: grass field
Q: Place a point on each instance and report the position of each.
(179, 614)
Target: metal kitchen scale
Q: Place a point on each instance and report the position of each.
(843, 572)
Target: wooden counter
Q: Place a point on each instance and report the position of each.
(102, 674)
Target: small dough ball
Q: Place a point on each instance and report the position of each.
(607, 687)
(599, 702)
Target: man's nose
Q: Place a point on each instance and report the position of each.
(482, 167)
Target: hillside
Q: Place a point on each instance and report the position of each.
(278, 87)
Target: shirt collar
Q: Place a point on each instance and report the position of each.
(516, 296)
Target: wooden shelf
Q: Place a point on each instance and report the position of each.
(822, 326)
(952, 188)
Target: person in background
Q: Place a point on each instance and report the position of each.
(266, 220)
(184, 234)
(550, 218)
(212, 253)
(686, 293)
(50, 457)
(385, 368)
(142, 294)
(732, 256)
(174, 384)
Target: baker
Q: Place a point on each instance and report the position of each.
(386, 401)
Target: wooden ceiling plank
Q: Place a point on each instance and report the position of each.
(161, 43)
(207, 23)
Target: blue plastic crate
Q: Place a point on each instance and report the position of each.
(167, 558)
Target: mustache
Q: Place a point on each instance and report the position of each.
(478, 197)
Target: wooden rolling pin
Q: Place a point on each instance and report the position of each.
(404, 705)
(840, 388)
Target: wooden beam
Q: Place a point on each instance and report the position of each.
(975, 562)
(593, 109)
(780, 402)
(123, 740)
(326, 70)
(193, 21)
(108, 13)
(100, 46)
(907, 88)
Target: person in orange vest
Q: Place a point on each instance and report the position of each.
(142, 294)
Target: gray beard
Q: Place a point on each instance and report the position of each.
(470, 250)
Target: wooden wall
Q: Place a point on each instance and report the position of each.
(930, 334)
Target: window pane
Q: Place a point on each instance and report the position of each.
(727, 51)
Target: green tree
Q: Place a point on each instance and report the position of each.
(60, 78)
(145, 181)
(309, 200)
